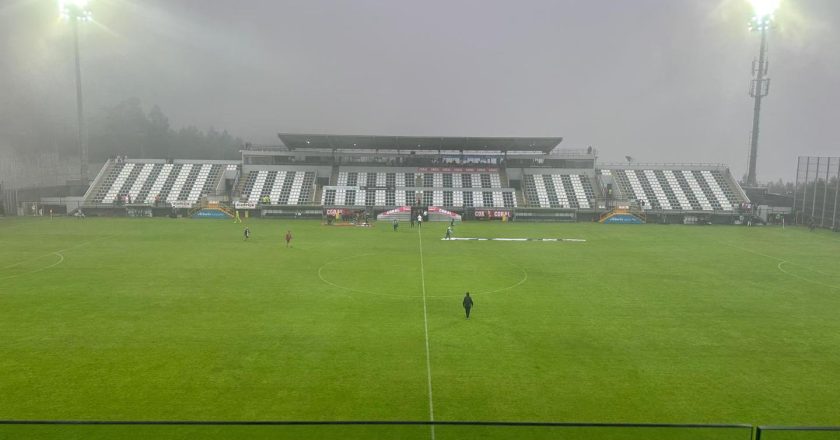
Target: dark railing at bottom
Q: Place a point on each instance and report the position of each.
(749, 431)
(525, 429)
(761, 432)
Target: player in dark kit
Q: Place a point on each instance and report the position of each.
(468, 303)
(246, 233)
(288, 238)
(396, 224)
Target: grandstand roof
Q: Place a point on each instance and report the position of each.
(332, 141)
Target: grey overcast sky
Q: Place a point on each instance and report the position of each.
(659, 80)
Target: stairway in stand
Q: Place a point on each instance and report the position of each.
(333, 177)
(503, 177)
(318, 191)
(100, 185)
(240, 186)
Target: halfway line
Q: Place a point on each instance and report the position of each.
(426, 328)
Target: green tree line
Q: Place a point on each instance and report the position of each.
(126, 129)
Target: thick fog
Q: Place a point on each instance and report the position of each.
(658, 80)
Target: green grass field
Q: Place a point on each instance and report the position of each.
(162, 319)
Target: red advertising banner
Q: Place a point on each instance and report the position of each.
(435, 209)
(398, 210)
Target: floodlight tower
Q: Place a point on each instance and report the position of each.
(761, 22)
(76, 11)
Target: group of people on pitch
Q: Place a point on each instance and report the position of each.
(396, 224)
(247, 234)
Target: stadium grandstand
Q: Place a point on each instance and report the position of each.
(523, 178)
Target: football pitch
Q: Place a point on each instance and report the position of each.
(178, 319)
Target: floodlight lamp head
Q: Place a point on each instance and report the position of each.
(75, 10)
(758, 24)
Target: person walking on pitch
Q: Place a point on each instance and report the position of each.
(468, 303)
(449, 233)
(247, 233)
(396, 224)
(288, 238)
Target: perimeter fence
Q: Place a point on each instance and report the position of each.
(815, 196)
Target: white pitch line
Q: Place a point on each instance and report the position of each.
(781, 262)
(426, 328)
(21, 262)
(60, 260)
(573, 240)
(57, 253)
(803, 278)
(51, 253)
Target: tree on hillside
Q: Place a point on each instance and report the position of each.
(159, 134)
(780, 187)
(127, 130)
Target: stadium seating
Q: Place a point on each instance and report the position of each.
(558, 190)
(144, 182)
(677, 189)
(670, 188)
(282, 187)
(426, 180)
(398, 188)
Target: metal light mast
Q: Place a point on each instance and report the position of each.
(760, 85)
(76, 11)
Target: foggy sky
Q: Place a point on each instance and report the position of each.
(659, 80)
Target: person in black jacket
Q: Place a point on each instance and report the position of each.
(468, 303)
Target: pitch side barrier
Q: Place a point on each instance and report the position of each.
(797, 432)
(183, 429)
(344, 430)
